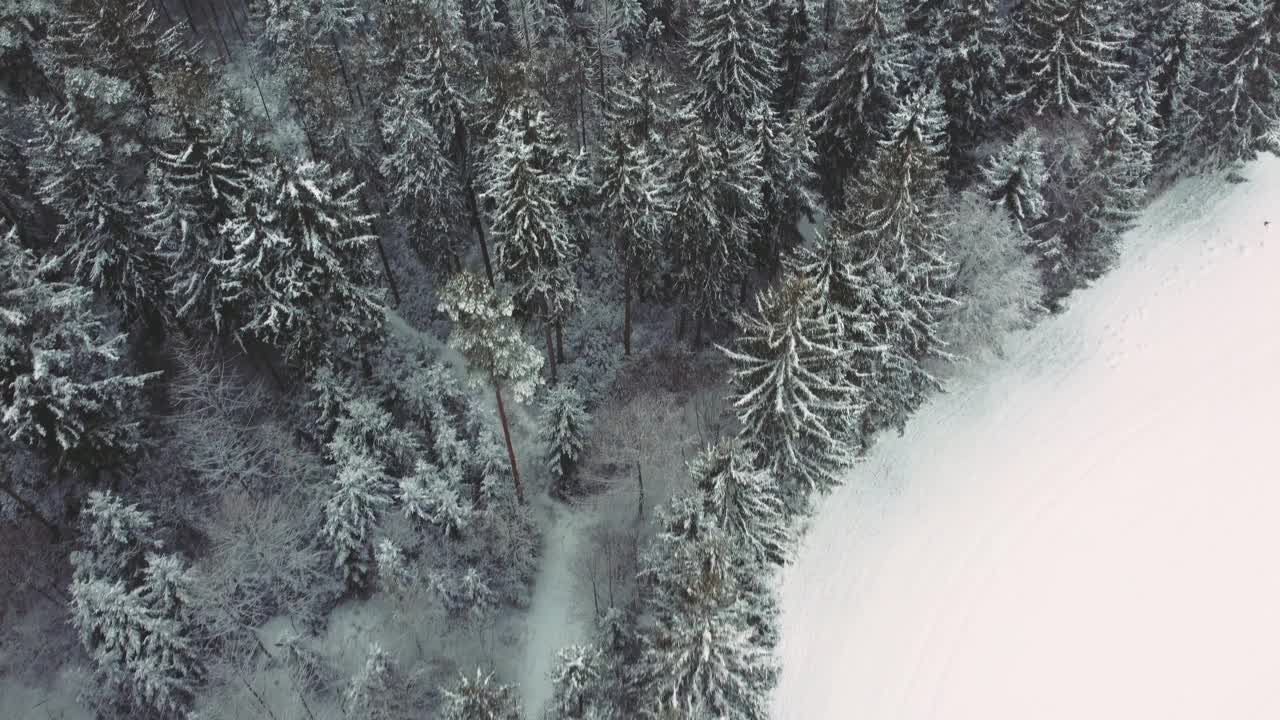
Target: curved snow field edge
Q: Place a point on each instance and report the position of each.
(1086, 529)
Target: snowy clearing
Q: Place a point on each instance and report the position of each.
(1086, 529)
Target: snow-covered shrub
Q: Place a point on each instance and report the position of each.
(360, 493)
(594, 355)
(377, 692)
(997, 287)
(576, 682)
(428, 498)
(481, 698)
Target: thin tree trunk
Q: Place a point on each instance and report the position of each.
(386, 267)
(560, 340)
(165, 11)
(697, 332)
(511, 450)
(191, 19)
(235, 24)
(680, 323)
(640, 496)
(217, 27)
(32, 510)
(551, 352)
(261, 97)
(626, 312)
(478, 224)
(342, 65)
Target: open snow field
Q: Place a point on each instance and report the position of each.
(1089, 528)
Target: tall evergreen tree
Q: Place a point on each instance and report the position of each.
(786, 158)
(426, 188)
(486, 335)
(361, 491)
(796, 410)
(854, 93)
(971, 69)
(894, 204)
(100, 238)
(63, 387)
(703, 656)
(1094, 201)
(535, 250)
(1178, 47)
(1014, 179)
(1239, 90)
(794, 55)
(715, 204)
(634, 207)
(198, 175)
(743, 501)
(301, 271)
(1067, 54)
(734, 60)
(565, 425)
(643, 106)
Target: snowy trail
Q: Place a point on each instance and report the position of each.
(1087, 529)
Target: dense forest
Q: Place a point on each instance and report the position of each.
(318, 317)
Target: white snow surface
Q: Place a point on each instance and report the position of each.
(1086, 529)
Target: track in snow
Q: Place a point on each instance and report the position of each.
(1089, 529)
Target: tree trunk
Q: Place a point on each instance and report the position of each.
(697, 332)
(386, 267)
(261, 97)
(626, 312)
(165, 11)
(511, 450)
(342, 65)
(478, 225)
(551, 352)
(640, 496)
(560, 340)
(54, 532)
(680, 322)
(186, 5)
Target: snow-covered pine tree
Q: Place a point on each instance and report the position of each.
(197, 176)
(485, 333)
(743, 501)
(575, 683)
(1239, 88)
(62, 385)
(365, 428)
(301, 272)
(481, 698)
(703, 655)
(119, 39)
(99, 235)
(361, 492)
(135, 620)
(1178, 47)
(564, 425)
(1066, 55)
(535, 251)
(794, 56)
(425, 188)
(970, 67)
(633, 202)
(715, 204)
(429, 497)
(1095, 200)
(854, 92)
(733, 58)
(643, 108)
(116, 535)
(1014, 179)
(785, 157)
(796, 409)
(896, 200)
(535, 24)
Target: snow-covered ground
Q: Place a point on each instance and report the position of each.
(1089, 528)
